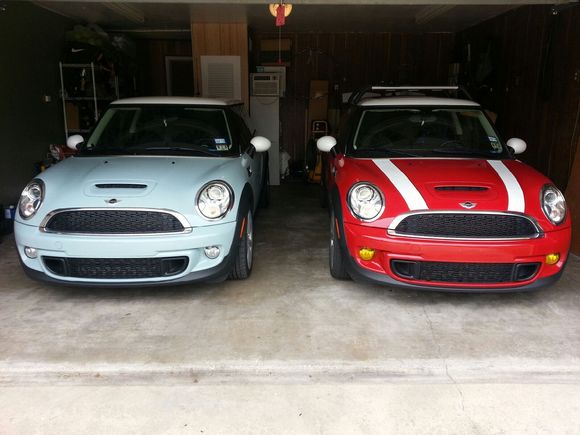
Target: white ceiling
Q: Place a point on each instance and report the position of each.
(170, 19)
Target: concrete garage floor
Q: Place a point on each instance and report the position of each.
(289, 350)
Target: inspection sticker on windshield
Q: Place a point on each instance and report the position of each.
(222, 147)
(495, 145)
(219, 140)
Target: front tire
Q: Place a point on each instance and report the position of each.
(245, 253)
(336, 256)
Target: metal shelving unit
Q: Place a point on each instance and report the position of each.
(73, 103)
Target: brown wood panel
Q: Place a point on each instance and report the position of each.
(221, 39)
(535, 93)
(151, 54)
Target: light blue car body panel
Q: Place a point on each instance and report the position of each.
(173, 183)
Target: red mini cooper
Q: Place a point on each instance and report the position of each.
(424, 194)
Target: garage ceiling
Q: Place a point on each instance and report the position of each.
(173, 18)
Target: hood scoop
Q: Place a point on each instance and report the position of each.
(119, 189)
(120, 186)
(462, 188)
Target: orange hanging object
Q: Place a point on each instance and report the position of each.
(280, 15)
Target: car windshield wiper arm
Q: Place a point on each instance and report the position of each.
(386, 150)
(85, 149)
(464, 151)
(183, 149)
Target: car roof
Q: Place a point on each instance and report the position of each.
(415, 101)
(190, 101)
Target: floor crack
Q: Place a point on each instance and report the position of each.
(451, 378)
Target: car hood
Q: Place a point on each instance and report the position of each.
(453, 184)
(155, 182)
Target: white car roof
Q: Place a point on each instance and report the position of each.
(416, 101)
(197, 101)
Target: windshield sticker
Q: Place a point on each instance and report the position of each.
(222, 147)
(496, 146)
(492, 139)
(219, 141)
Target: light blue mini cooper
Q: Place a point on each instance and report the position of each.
(163, 191)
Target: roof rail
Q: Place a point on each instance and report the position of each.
(390, 91)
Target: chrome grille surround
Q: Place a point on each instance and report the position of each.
(44, 226)
(392, 229)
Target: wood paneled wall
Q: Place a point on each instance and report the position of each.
(535, 58)
(151, 54)
(350, 61)
(223, 39)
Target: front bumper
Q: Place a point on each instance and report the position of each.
(388, 248)
(189, 246)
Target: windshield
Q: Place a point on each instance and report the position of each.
(162, 130)
(425, 132)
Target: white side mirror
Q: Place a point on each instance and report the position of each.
(261, 144)
(518, 145)
(73, 141)
(326, 143)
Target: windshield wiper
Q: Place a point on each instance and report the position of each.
(389, 151)
(179, 149)
(102, 150)
(464, 151)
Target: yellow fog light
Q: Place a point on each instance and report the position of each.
(552, 258)
(366, 254)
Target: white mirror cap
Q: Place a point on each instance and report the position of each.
(73, 141)
(518, 145)
(326, 143)
(261, 144)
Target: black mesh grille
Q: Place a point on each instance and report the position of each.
(467, 225)
(485, 273)
(114, 222)
(116, 268)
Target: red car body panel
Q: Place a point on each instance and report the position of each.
(428, 174)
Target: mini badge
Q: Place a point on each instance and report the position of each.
(467, 204)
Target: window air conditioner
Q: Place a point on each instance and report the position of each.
(266, 84)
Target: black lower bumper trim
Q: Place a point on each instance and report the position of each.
(215, 274)
(360, 274)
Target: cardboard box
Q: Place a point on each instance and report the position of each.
(72, 116)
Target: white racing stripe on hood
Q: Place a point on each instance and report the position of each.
(402, 183)
(516, 201)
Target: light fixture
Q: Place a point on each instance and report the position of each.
(128, 11)
(274, 8)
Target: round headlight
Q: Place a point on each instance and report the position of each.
(214, 200)
(31, 199)
(553, 204)
(366, 202)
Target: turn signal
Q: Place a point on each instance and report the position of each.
(552, 258)
(366, 254)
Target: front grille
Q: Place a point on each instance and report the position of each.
(467, 226)
(116, 268)
(474, 273)
(113, 222)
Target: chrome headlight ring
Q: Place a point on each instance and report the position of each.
(553, 204)
(31, 199)
(214, 200)
(365, 201)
